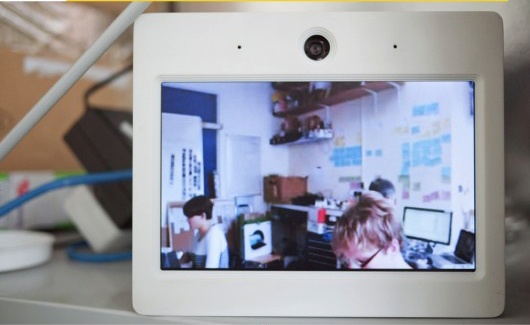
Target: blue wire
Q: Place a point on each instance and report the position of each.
(87, 179)
(74, 254)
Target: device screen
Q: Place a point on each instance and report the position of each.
(322, 175)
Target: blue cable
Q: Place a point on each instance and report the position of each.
(73, 253)
(87, 179)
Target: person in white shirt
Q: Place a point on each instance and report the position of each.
(209, 248)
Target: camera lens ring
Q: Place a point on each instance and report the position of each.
(328, 38)
(317, 47)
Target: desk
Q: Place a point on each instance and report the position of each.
(63, 291)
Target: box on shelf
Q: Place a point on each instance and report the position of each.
(278, 189)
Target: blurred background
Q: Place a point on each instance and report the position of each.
(40, 40)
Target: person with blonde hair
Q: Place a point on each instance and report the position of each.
(368, 235)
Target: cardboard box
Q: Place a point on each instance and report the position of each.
(20, 88)
(278, 189)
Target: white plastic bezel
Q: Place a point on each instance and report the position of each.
(430, 46)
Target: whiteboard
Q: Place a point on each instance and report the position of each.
(182, 167)
(243, 165)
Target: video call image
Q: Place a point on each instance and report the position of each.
(318, 176)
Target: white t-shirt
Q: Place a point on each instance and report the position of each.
(210, 251)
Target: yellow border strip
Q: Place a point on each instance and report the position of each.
(301, 1)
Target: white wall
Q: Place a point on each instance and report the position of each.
(382, 126)
(313, 159)
(245, 109)
(515, 16)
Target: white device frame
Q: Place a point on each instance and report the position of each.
(429, 46)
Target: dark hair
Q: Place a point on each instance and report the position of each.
(383, 186)
(197, 206)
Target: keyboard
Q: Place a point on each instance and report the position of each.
(453, 259)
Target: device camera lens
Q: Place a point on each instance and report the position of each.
(316, 47)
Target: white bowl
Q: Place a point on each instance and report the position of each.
(23, 249)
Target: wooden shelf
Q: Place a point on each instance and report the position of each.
(289, 86)
(302, 140)
(327, 136)
(337, 98)
(341, 92)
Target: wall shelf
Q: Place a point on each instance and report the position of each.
(359, 90)
(328, 135)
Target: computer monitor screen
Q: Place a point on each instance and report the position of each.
(427, 224)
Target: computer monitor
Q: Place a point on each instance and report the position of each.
(427, 224)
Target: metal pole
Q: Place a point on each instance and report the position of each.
(76, 71)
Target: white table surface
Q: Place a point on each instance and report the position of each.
(64, 291)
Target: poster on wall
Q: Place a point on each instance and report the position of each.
(181, 158)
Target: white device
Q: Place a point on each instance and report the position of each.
(94, 223)
(257, 240)
(415, 97)
(20, 249)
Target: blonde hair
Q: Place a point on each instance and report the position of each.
(370, 222)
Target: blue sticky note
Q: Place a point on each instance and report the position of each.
(368, 153)
(417, 146)
(415, 130)
(416, 151)
(433, 109)
(417, 110)
(436, 161)
(446, 138)
(378, 153)
(437, 151)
